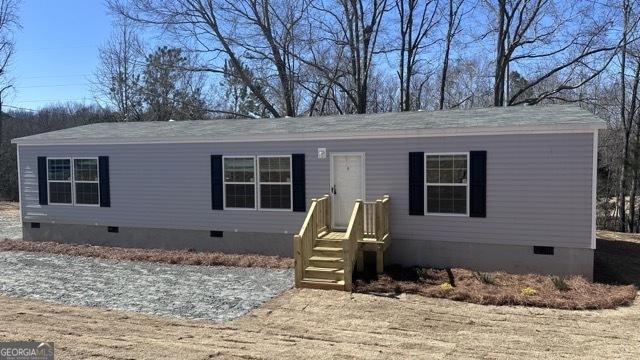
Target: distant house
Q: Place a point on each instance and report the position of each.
(491, 189)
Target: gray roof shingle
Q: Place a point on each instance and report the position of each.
(524, 117)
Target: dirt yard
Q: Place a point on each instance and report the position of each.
(327, 324)
(332, 325)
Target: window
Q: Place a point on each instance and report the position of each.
(265, 184)
(447, 183)
(73, 185)
(239, 182)
(59, 181)
(86, 181)
(275, 182)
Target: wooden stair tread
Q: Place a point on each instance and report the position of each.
(329, 240)
(324, 284)
(325, 248)
(326, 258)
(324, 281)
(324, 269)
(333, 235)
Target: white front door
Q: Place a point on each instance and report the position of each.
(347, 185)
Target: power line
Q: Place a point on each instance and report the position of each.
(52, 76)
(56, 48)
(19, 108)
(52, 100)
(53, 85)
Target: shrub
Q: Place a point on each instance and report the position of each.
(560, 283)
(529, 291)
(486, 278)
(421, 272)
(446, 286)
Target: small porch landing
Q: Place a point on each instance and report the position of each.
(325, 258)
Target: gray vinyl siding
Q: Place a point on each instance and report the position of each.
(538, 187)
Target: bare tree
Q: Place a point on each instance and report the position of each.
(454, 15)
(349, 30)
(418, 18)
(635, 119)
(118, 77)
(624, 120)
(256, 32)
(558, 42)
(8, 24)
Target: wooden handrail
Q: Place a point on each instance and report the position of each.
(355, 233)
(376, 218)
(318, 220)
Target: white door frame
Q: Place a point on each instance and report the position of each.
(332, 178)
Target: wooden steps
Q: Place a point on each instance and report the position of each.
(324, 258)
(326, 264)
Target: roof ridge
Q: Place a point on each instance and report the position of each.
(415, 123)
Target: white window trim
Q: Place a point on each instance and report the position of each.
(224, 183)
(73, 174)
(426, 185)
(72, 181)
(290, 183)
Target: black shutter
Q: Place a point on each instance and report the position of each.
(105, 187)
(42, 180)
(416, 183)
(297, 169)
(216, 182)
(478, 182)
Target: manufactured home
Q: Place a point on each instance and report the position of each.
(508, 189)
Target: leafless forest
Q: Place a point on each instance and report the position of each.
(209, 59)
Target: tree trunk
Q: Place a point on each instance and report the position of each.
(445, 69)
(627, 129)
(498, 91)
(632, 200)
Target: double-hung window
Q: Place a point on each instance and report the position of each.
(85, 177)
(239, 182)
(275, 182)
(447, 184)
(264, 184)
(73, 181)
(59, 181)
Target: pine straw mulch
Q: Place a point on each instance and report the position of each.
(505, 289)
(184, 257)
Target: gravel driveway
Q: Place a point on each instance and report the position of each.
(193, 292)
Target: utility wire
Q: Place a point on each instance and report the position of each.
(53, 100)
(19, 108)
(51, 76)
(52, 85)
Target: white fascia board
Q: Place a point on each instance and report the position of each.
(384, 134)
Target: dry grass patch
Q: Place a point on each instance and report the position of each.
(184, 257)
(617, 236)
(9, 206)
(498, 288)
